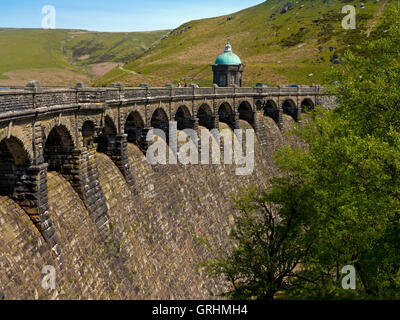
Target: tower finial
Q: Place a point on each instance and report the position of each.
(228, 47)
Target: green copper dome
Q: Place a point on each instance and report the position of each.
(228, 57)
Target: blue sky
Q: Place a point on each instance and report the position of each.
(116, 15)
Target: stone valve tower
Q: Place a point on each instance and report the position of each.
(228, 69)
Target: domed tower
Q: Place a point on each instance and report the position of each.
(228, 69)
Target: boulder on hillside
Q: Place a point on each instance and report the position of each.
(335, 59)
(287, 7)
(178, 32)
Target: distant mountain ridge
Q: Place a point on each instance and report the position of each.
(63, 57)
(279, 41)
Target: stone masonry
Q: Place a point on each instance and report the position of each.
(61, 130)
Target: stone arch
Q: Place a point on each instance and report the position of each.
(14, 160)
(307, 105)
(271, 110)
(109, 127)
(14, 147)
(246, 112)
(112, 120)
(88, 132)
(108, 133)
(205, 115)
(48, 127)
(226, 114)
(114, 145)
(246, 102)
(64, 134)
(58, 147)
(183, 118)
(134, 126)
(159, 120)
(26, 183)
(259, 105)
(136, 113)
(289, 107)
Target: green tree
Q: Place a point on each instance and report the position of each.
(345, 190)
(271, 242)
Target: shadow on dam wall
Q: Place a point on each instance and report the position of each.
(155, 230)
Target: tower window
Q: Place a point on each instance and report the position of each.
(222, 80)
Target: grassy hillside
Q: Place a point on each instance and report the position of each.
(95, 47)
(276, 47)
(63, 57)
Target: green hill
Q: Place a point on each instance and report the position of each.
(109, 46)
(63, 57)
(277, 47)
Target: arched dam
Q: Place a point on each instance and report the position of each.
(78, 193)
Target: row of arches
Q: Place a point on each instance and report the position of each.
(59, 143)
(135, 124)
(289, 107)
(205, 115)
(62, 154)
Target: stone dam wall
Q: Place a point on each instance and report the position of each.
(156, 229)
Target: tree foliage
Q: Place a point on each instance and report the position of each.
(341, 194)
(271, 240)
